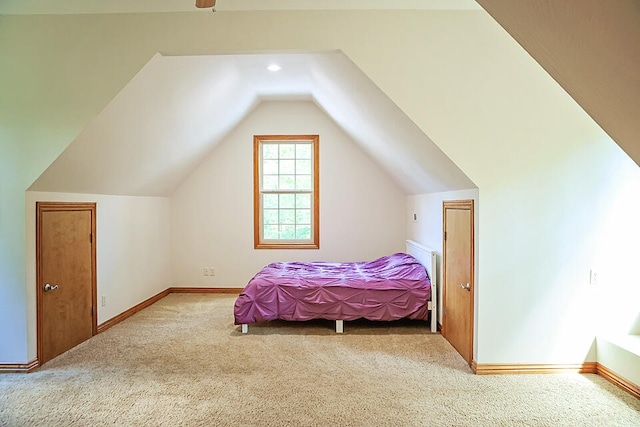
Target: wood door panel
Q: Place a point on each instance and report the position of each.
(457, 301)
(458, 274)
(66, 260)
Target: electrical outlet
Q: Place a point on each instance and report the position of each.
(212, 271)
(104, 300)
(206, 271)
(415, 217)
(593, 277)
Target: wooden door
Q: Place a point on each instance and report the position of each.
(458, 286)
(66, 276)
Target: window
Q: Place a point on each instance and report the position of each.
(286, 202)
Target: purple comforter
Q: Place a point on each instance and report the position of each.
(389, 288)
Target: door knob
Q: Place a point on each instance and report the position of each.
(48, 287)
(466, 287)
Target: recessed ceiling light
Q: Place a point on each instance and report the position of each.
(274, 67)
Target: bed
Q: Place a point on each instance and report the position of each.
(402, 285)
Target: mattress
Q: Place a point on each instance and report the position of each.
(388, 288)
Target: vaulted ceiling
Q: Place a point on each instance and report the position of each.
(592, 49)
(178, 108)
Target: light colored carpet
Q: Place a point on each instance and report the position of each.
(183, 362)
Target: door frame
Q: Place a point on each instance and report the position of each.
(42, 207)
(467, 204)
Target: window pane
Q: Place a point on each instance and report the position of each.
(287, 182)
(270, 182)
(303, 216)
(303, 232)
(303, 182)
(303, 167)
(288, 232)
(287, 216)
(271, 232)
(270, 216)
(287, 167)
(285, 190)
(269, 151)
(270, 201)
(303, 201)
(287, 201)
(303, 151)
(287, 151)
(270, 167)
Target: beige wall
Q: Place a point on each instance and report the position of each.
(547, 175)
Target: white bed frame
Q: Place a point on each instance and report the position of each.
(429, 259)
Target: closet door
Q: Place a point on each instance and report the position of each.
(65, 277)
(458, 286)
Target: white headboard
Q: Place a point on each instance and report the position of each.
(429, 258)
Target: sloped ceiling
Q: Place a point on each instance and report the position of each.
(177, 108)
(135, 6)
(592, 49)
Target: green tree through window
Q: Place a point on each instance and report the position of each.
(286, 186)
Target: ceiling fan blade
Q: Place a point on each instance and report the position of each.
(205, 3)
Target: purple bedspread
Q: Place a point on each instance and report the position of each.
(389, 288)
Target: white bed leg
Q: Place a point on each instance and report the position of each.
(434, 317)
(339, 326)
(245, 328)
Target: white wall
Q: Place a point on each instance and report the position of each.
(615, 203)
(13, 292)
(427, 229)
(545, 228)
(622, 355)
(133, 250)
(361, 209)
